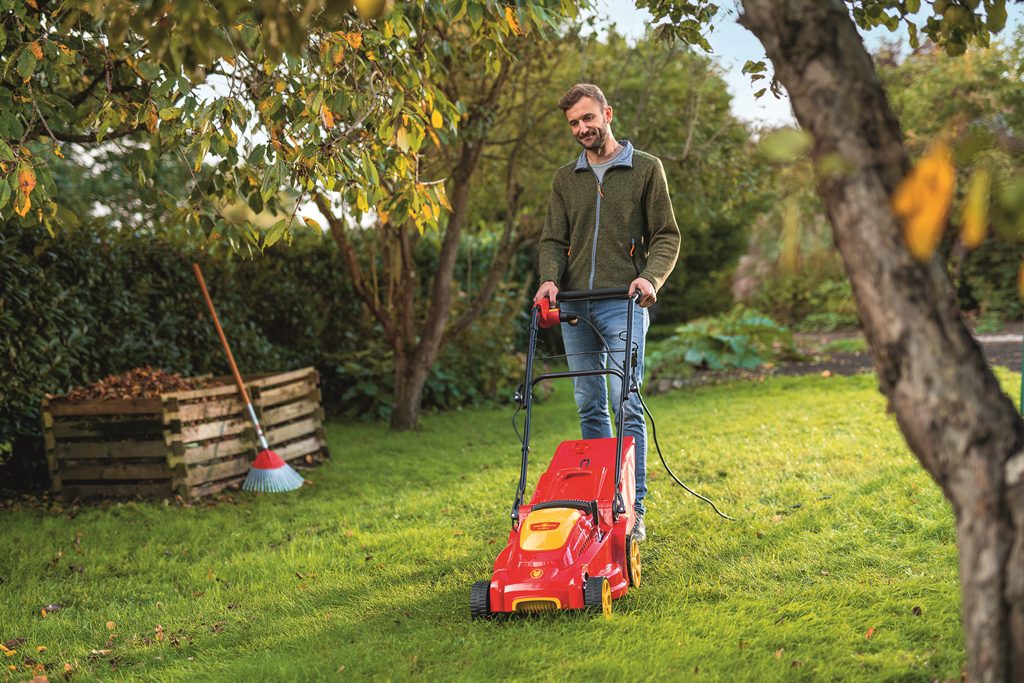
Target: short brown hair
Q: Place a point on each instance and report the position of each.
(578, 92)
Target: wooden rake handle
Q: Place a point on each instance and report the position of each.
(220, 332)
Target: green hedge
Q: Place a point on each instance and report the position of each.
(89, 304)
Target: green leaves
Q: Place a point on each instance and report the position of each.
(26, 64)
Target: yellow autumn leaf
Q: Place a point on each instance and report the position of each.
(56, 151)
(26, 179)
(326, 116)
(442, 196)
(110, 626)
(513, 21)
(32, 4)
(436, 120)
(22, 203)
(279, 86)
(922, 201)
(974, 224)
(426, 211)
(354, 39)
(36, 49)
(312, 224)
(383, 215)
(361, 202)
(402, 139)
(153, 120)
(433, 136)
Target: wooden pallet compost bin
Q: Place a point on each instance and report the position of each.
(190, 443)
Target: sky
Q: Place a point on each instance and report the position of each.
(733, 45)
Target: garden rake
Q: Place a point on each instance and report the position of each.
(269, 473)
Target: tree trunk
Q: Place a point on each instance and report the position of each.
(948, 404)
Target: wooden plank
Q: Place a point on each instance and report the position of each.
(205, 410)
(270, 381)
(109, 449)
(213, 487)
(219, 449)
(290, 411)
(70, 491)
(71, 471)
(272, 397)
(107, 429)
(220, 390)
(206, 473)
(292, 431)
(101, 406)
(298, 449)
(202, 431)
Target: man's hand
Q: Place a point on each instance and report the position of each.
(647, 294)
(547, 289)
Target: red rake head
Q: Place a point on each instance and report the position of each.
(268, 460)
(270, 474)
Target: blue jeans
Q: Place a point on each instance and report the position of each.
(592, 393)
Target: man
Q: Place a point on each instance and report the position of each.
(609, 224)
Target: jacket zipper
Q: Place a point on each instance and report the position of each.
(597, 230)
(632, 255)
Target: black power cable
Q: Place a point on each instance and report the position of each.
(654, 433)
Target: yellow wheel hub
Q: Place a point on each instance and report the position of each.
(634, 563)
(606, 599)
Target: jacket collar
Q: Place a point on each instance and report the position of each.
(625, 158)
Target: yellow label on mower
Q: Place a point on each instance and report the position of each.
(547, 529)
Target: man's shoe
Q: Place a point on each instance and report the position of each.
(640, 529)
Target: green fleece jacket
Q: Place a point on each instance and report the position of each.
(608, 234)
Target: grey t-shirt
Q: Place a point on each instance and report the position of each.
(599, 169)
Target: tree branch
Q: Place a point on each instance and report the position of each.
(348, 253)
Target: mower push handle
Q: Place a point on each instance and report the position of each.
(593, 294)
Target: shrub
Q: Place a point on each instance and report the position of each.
(740, 339)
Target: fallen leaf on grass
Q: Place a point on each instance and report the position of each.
(67, 668)
(744, 645)
(41, 648)
(776, 518)
(916, 611)
(159, 630)
(826, 373)
(233, 605)
(299, 574)
(110, 626)
(796, 664)
(824, 572)
(100, 653)
(218, 627)
(40, 679)
(870, 632)
(778, 653)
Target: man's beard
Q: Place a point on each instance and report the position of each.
(596, 141)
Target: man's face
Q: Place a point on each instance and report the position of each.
(589, 122)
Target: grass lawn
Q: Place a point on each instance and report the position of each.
(841, 566)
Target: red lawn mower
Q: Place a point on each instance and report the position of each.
(571, 546)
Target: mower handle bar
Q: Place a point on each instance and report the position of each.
(594, 294)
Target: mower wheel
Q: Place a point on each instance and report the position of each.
(633, 561)
(597, 594)
(480, 600)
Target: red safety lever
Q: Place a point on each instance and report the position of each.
(549, 317)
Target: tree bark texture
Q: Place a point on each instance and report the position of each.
(949, 406)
